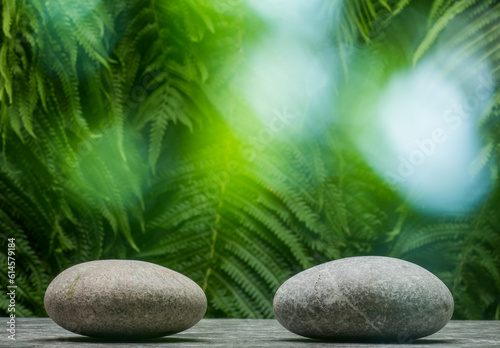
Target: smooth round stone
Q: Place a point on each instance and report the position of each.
(368, 298)
(123, 299)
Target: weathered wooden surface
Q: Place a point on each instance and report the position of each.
(43, 332)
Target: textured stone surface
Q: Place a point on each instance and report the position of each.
(242, 333)
(124, 299)
(368, 298)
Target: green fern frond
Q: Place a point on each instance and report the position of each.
(453, 9)
(125, 134)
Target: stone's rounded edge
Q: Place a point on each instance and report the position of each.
(292, 311)
(277, 306)
(446, 300)
(180, 302)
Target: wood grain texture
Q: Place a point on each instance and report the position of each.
(43, 332)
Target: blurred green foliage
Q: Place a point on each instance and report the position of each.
(124, 136)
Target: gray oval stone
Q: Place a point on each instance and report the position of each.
(123, 299)
(367, 298)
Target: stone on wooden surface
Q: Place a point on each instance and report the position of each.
(123, 299)
(367, 298)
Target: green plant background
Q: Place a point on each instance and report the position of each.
(123, 136)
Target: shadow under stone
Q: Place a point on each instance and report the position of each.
(408, 341)
(129, 340)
